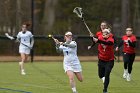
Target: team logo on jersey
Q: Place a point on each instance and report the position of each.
(104, 46)
(126, 42)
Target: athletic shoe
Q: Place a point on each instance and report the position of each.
(75, 92)
(128, 78)
(105, 91)
(125, 73)
(23, 73)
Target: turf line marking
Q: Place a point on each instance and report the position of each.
(31, 85)
(60, 81)
(14, 90)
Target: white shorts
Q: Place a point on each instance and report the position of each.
(24, 50)
(72, 67)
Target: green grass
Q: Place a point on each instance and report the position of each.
(44, 77)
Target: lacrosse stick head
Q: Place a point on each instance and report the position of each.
(78, 11)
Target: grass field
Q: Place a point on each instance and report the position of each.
(47, 77)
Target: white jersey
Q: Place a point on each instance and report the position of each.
(71, 61)
(24, 38)
(70, 54)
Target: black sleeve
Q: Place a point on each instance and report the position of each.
(121, 43)
(105, 42)
(93, 43)
(132, 44)
(115, 41)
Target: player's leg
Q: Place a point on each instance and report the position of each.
(26, 57)
(27, 52)
(130, 66)
(101, 70)
(21, 64)
(126, 60)
(70, 74)
(108, 69)
(79, 76)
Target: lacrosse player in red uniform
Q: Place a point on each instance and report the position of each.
(103, 25)
(105, 56)
(129, 44)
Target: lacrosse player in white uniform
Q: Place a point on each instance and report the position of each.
(26, 43)
(71, 62)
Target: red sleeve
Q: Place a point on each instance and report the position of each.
(98, 33)
(123, 37)
(134, 39)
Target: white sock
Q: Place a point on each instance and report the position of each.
(74, 89)
(103, 78)
(125, 71)
(22, 70)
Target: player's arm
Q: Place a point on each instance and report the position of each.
(115, 41)
(32, 41)
(119, 45)
(93, 43)
(132, 44)
(71, 45)
(18, 38)
(105, 42)
(59, 48)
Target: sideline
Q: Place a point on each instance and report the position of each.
(21, 91)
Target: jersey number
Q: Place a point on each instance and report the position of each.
(67, 52)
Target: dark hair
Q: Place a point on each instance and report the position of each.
(104, 22)
(28, 24)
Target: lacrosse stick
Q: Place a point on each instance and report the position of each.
(12, 38)
(55, 40)
(51, 36)
(79, 13)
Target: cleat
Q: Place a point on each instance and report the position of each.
(105, 91)
(128, 78)
(75, 92)
(125, 74)
(23, 73)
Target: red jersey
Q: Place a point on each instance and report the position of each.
(106, 52)
(127, 48)
(99, 33)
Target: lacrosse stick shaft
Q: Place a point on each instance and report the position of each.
(12, 38)
(86, 25)
(53, 38)
(24, 44)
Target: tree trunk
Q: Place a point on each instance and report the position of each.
(49, 15)
(125, 15)
(18, 15)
